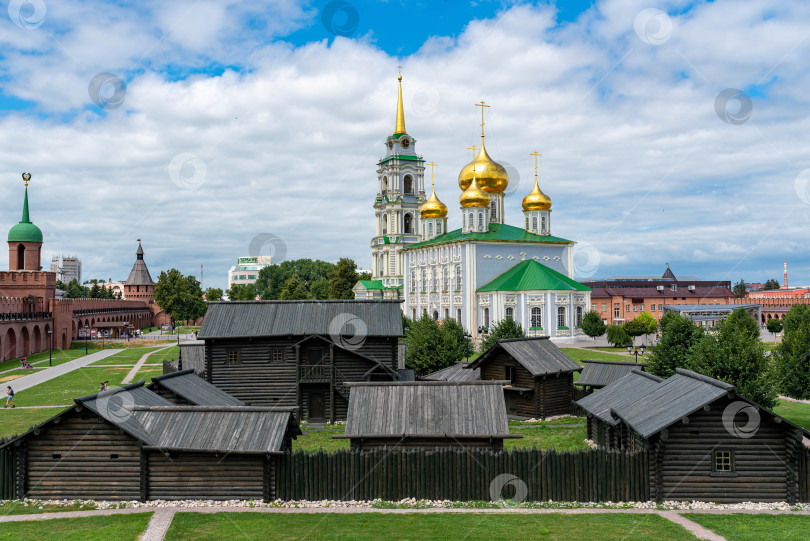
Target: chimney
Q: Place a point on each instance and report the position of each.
(786, 282)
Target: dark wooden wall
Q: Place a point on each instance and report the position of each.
(372, 444)
(85, 469)
(186, 476)
(555, 395)
(495, 369)
(170, 395)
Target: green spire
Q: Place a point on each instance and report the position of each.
(25, 218)
(25, 231)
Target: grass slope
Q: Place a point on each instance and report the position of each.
(373, 526)
(17, 421)
(744, 527)
(118, 527)
(795, 412)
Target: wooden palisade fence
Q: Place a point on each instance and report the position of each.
(463, 475)
(8, 475)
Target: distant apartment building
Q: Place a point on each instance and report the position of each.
(67, 268)
(246, 270)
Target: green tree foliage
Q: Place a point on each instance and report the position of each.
(431, 347)
(792, 356)
(774, 325)
(592, 324)
(319, 289)
(505, 328)
(735, 354)
(294, 289)
(213, 294)
(179, 296)
(364, 276)
(75, 291)
(342, 279)
(647, 322)
(739, 290)
(771, 284)
(95, 292)
(241, 292)
(634, 328)
(617, 336)
(679, 335)
(272, 279)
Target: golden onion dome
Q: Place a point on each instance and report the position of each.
(536, 200)
(491, 176)
(433, 208)
(473, 196)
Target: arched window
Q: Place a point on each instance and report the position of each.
(413, 280)
(510, 312)
(446, 314)
(430, 229)
(561, 316)
(408, 184)
(579, 316)
(435, 315)
(445, 280)
(493, 210)
(486, 317)
(380, 265)
(480, 221)
(424, 281)
(20, 257)
(384, 185)
(463, 221)
(458, 277)
(458, 316)
(433, 280)
(413, 313)
(527, 221)
(534, 223)
(438, 228)
(537, 317)
(543, 223)
(385, 224)
(409, 223)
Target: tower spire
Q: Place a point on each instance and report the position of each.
(482, 105)
(400, 127)
(25, 216)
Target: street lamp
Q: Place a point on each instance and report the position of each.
(86, 337)
(467, 336)
(630, 349)
(50, 351)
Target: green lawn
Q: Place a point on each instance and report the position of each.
(596, 354)
(373, 526)
(542, 434)
(18, 421)
(128, 356)
(795, 412)
(64, 389)
(745, 527)
(59, 357)
(118, 527)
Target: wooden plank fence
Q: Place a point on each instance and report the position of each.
(464, 475)
(7, 475)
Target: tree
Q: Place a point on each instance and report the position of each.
(364, 276)
(735, 354)
(792, 356)
(739, 290)
(617, 336)
(592, 325)
(431, 347)
(634, 327)
(505, 328)
(271, 280)
(774, 326)
(75, 291)
(179, 296)
(342, 279)
(679, 335)
(319, 289)
(95, 291)
(294, 289)
(648, 322)
(241, 292)
(213, 294)
(771, 284)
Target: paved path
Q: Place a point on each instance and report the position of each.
(134, 372)
(793, 399)
(696, 529)
(41, 376)
(158, 525)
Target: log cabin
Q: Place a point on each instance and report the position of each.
(185, 388)
(704, 441)
(454, 372)
(300, 354)
(427, 414)
(132, 444)
(598, 374)
(539, 376)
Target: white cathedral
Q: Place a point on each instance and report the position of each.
(482, 272)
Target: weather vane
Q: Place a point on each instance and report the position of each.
(26, 178)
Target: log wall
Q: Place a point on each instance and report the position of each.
(186, 476)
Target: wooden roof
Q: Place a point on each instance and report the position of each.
(195, 389)
(602, 373)
(624, 390)
(540, 356)
(427, 409)
(456, 372)
(354, 319)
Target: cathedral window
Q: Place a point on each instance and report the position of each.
(424, 281)
(385, 224)
(458, 277)
(445, 280)
(446, 314)
(385, 185)
(480, 221)
(413, 280)
(408, 184)
(510, 312)
(463, 221)
(439, 228)
(430, 229)
(561, 316)
(493, 205)
(435, 315)
(543, 223)
(527, 221)
(409, 223)
(537, 318)
(534, 223)
(458, 316)
(486, 317)
(579, 316)
(433, 280)
(413, 313)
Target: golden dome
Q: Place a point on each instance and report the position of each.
(433, 208)
(536, 200)
(473, 196)
(491, 175)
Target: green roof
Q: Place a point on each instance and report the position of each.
(402, 157)
(532, 275)
(371, 284)
(25, 231)
(497, 232)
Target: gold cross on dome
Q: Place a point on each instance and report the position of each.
(482, 105)
(432, 176)
(535, 154)
(399, 68)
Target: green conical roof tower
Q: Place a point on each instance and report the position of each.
(25, 231)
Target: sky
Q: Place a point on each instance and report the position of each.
(671, 132)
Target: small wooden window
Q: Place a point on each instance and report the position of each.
(510, 373)
(56, 456)
(233, 357)
(277, 355)
(723, 461)
(113, 456)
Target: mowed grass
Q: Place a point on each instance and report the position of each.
(795, 412)
(59, 357)
(18, 421)
(63, 389)
(118, 527)
(17, 507)
(128, 356)
(595, 354)
(320, 438)
(745, 527)
(374, 526)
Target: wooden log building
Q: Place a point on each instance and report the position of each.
(705, 442)
(300, 354)
(539, 376)
(186, 388)
(599, 374)
(427, 414)
(456, 372)
(130, 443)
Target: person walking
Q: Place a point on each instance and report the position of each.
(9, 397)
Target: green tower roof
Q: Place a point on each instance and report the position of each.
(25, 231)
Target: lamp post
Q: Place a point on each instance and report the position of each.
(50, 351)
(630, 349)
(86, 337)
(467, 336)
